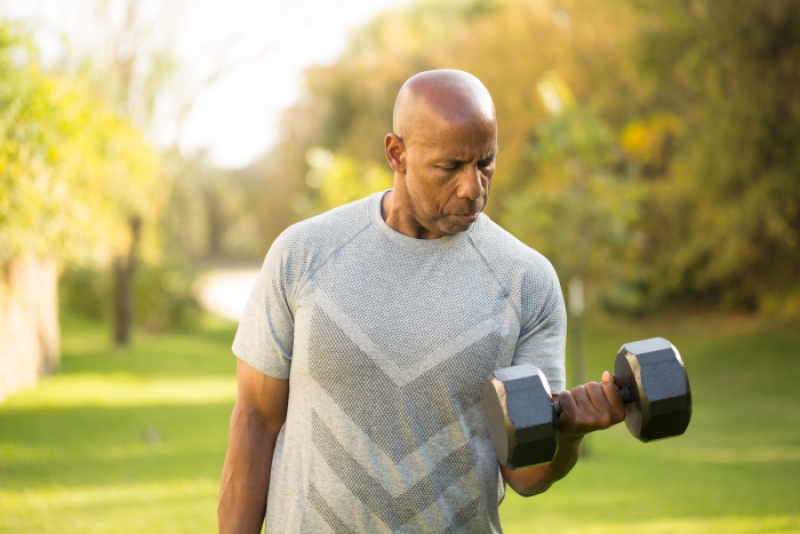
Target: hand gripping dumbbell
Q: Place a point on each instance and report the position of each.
(523, 419)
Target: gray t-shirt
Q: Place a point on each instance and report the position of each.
(386, 341)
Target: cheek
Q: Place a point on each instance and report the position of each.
(487, 176)
(425, 186)
(420, 192)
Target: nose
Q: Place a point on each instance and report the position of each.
(470, 186)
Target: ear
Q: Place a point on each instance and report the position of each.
(395, 152)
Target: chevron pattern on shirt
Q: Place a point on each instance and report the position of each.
(399, 420)
(394, 511)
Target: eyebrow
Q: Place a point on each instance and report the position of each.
(456, 161)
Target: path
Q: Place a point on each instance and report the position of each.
(224, 292)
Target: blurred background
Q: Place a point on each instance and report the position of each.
(150, 152)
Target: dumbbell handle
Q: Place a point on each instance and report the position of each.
(627, 398)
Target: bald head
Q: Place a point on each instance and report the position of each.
(442, 152)
(455, 96)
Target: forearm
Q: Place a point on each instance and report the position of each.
(245, 475)
(534, 480)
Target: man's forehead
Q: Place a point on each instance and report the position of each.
(440, 148)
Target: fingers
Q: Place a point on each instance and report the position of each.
(608, 377)
(586, 396)
(568, 404)
(615, 404)
(600, 396)
(611, 387)
(577, 405)
(592, 406)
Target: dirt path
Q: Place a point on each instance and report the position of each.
(225, 291)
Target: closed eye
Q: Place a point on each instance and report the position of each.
(486, 162)
(449, 165)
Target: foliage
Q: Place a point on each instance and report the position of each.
(211, 213)
(725, 215)
(164, 299)
(580, 206)
(72, 171)
(338, 179)
(163, 296)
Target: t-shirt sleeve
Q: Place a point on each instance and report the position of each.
(543, 329)
(265, 335)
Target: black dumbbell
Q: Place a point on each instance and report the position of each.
(523, 419)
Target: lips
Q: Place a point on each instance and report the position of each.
(468, 217)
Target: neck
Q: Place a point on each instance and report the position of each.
(401, 220)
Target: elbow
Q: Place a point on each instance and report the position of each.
(531, 491)
(528, 482)
(257, 415)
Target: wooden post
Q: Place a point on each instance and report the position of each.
(575, 303)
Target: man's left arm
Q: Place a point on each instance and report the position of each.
(584, 409)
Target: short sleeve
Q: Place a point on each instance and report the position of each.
(265, 335)
(543, 326)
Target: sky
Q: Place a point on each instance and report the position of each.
(261, 47)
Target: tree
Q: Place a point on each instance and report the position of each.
(71, 171)
(724, 215)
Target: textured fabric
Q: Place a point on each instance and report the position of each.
(386, 341)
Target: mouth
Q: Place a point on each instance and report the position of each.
(468, 218)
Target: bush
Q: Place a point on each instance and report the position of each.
(163, 297)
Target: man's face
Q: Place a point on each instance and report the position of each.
(449, 169)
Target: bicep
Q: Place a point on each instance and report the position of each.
(261, 395)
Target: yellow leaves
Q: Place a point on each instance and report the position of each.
(648, 141)
(555, 94)
(72, 172)
(338, 179)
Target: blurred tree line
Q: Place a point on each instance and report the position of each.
(648, 148)
(86, 199)
(75, 177)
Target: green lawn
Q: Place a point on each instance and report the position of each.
(133, 441)
(120, 441)
(737, 468)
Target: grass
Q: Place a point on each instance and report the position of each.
(120, 441)
(737, 468)
(133, 441)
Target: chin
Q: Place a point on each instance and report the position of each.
(454, 229)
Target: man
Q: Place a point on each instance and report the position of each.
(366, 341)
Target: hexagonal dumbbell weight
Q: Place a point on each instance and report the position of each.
(523, 419)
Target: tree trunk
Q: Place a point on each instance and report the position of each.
(124, 269)
(29, 331)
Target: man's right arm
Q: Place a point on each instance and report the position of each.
(257, 418)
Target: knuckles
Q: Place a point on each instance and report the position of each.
(581, 415)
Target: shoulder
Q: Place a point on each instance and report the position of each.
(507, 255)
(529, 279)
(328, 229)
(305, 244)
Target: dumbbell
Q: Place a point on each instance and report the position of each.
(523, 419)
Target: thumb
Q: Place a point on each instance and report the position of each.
(608, 378)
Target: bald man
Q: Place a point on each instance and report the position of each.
(366, 341)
